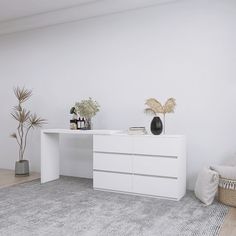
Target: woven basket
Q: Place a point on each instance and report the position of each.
(227, 192)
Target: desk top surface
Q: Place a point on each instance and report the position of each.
(103, 132)
(92, 132)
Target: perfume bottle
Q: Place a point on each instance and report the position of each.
(82, 123)
(79, 123)
(73, 124)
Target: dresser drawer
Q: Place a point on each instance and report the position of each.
(112, 162)
(155, 165)
(157, 146)
(161, 187)
(112, 143)
(112, 181)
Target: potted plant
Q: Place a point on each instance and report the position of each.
(155, 108)
(87, 109)
(26, 122)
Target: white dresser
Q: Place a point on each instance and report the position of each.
(140, 164)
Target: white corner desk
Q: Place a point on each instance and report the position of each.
(50, 149)
(153, 165)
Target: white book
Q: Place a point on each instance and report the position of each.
(137, 130)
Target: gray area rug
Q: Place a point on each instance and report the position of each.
(70, 206)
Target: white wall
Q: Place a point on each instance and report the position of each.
(184, 50)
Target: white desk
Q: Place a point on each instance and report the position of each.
(153, 165)
(50, 149)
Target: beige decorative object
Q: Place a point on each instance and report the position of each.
(155, 108)
(206, 185)
(87, 109)
(226, 172)
(227, 192)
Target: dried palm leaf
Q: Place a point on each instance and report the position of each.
(35, 121)
(154, 105)
(21, 116)
(17, 108)
(149, 111)
(13, 135)
(22, 94)
(169, 106)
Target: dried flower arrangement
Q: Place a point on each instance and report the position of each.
(87, 108)
(155, 107)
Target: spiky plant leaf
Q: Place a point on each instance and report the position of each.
(22, 94)
(21, 116)
(17, 108)
(13, 135)
(154, 105)
(149, 111)
(35, 121)
(169, 106)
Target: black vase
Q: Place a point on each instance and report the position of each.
(156, 125)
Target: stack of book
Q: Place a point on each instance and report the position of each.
(137, 130)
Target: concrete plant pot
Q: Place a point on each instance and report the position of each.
(22, 168)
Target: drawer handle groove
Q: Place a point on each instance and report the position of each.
(115, 172)
(156, 176)
(158, 156)
(136, 154)
(127, 173)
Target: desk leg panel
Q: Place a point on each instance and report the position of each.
(49, 157)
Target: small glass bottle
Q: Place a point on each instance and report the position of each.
(83, 123)
(73, 124)
(79, 123)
